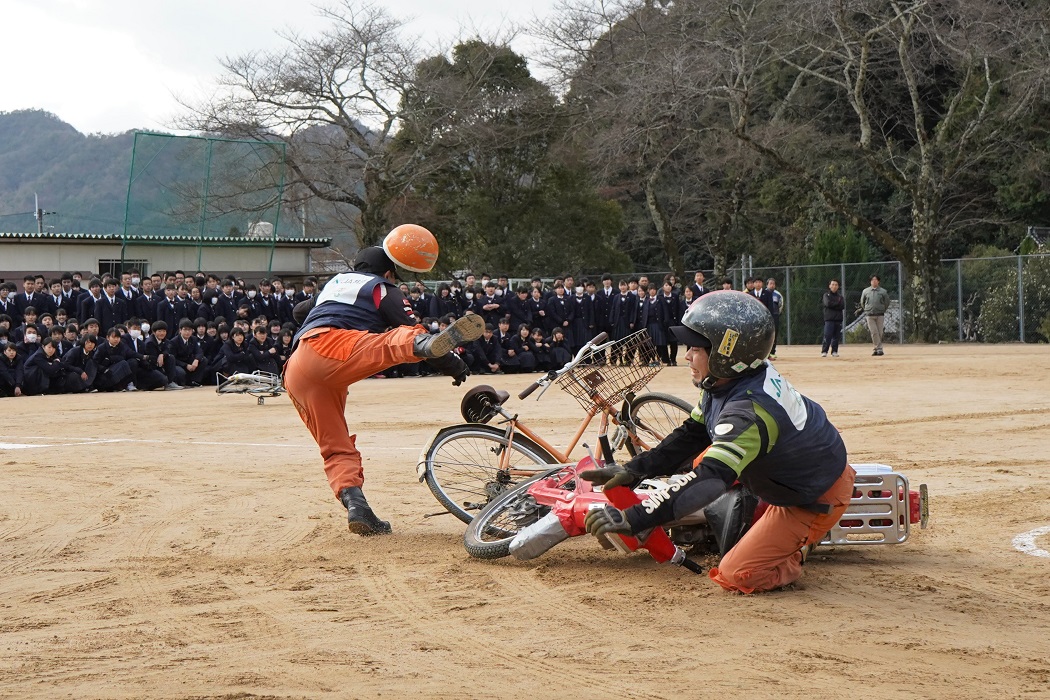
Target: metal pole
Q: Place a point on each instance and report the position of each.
(127, 202)
(958, 295)
(204, 208)
(1020, 297)
(787, 292)
(277, 217)
(842, 290)
(900, 303)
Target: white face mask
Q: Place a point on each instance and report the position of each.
(215, 300)
(145, 328)
(469, 295)
(434, 326)
(135, 333)
(289, 293)
(579, 291)
(135, 281)
(251, 295)
(31, 337)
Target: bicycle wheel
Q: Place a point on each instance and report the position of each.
(488, 535)
(655, 416)
(463, 466)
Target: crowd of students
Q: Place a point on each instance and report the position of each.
(167, 331)
(171, 331)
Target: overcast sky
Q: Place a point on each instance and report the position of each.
(112, 65)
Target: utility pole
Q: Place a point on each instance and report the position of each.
(39, 213)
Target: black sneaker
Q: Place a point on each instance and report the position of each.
(360, 518)
(459, 332)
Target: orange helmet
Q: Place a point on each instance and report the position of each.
(412, 247)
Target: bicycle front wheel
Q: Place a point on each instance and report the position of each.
(488, 536)
(463, 466)
(655, 416)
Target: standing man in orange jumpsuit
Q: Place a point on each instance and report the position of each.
(359, 325)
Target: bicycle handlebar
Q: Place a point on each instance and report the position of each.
(529, 389)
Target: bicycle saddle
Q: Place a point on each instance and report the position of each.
(477, 403)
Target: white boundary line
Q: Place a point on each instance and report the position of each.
(1025, 542)
(78, 443)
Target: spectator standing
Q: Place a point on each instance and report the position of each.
(833, 304)
(774, 301)
(874, 301)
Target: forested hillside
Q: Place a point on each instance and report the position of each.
(83, 179)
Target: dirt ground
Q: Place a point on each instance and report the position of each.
(186, 544)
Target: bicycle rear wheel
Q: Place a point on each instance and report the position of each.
(655, 416)
(463, 466)
(488, 536)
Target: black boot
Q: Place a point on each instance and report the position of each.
(362, 520)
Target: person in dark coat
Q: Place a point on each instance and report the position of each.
(583, 328)
(226, 304)
(487, 353)
(670, 315)
(157, 354)
(508, 358)
(490, 305)
(518, 308)
(111, 309)
(522, 348)
(262, 351)
(12, 374)
(560, 312)
(80, 357)
(114, 360)
(86, 302)
(443, 304)
(191, 365)
(45, 373)
(235, 357)
(652, 321)
(832, 304)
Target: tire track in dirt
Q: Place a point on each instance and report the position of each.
(389, 588)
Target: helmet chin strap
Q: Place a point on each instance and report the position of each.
(708, 382)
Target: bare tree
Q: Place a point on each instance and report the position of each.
(934, 90)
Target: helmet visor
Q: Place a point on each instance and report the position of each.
(688, 337)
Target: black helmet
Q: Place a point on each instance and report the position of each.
(736, 328)
(374, 260)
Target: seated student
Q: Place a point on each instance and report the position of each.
(521, 346)
(44, 324)
(262, 351)
(5, 325)
(541, 348)
(12, 375)
(275, 330)
(80, 357)
(148, 374)
(114, 360)
(560, 351)
(61, 317)
(485, 352)
(156, 353)
(508, 359)
(45, 373)
(58, 335)
(235, 357)
(91, 327)
(191, 365)
(72, 335)
(284, 346)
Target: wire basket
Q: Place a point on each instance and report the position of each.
(606, 376)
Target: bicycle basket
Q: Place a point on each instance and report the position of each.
(605, 377)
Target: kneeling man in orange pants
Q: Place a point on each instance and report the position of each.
(751, 426)
(358, 326)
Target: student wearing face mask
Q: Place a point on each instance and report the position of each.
(583, 328)
(45, 373)
(30, 342)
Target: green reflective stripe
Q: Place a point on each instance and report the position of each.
(697, 415)
(772, 430)
(739, 453)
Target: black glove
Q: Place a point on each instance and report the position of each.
(451, 365)
(606, 520)
(609, 476)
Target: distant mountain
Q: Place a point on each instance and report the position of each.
(83, 179)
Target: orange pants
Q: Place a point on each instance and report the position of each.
(317, 376)
(768, 556)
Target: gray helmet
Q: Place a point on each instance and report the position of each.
(736, 327)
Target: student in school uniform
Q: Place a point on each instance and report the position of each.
(541, 348)
(490, 305)
(443, 303)
(560, 312)
(582, 328)
(670, 315)
(560, 349)
(86, 302)
(262, 351)
(114, 360)
(191, 365)
(508, 360)
(157, 355)
(487, 353)
(521, 345)
(45, 373)
(80, 357)
(235, 357)
(651, 320)
(148, 371)
(519, 309)
(111, 309)
(12, 373)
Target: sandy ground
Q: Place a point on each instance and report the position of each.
(185, 544)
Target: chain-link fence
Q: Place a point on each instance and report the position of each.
(995, 300)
